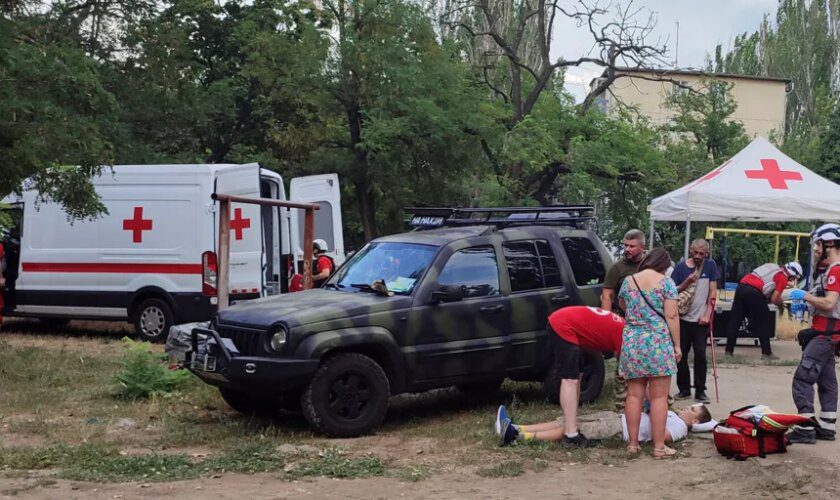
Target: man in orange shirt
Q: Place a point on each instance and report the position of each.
(764, 284)
(576, 328)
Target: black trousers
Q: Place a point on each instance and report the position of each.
(751, 304)
(692, 335)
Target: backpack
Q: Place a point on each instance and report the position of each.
(686, 297)
(755, 431)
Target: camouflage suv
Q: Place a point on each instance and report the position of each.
(462, 303)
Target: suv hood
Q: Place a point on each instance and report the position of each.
(311, 306)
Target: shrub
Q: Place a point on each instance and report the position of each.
(145, 374)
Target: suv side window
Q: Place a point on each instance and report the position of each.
(523, 264)
(475, 268)
(585, 261)
(550, 267)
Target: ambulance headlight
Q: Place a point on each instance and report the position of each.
(278, 339)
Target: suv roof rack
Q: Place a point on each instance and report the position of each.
(553, 215)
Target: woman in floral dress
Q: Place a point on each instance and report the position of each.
(650, 349)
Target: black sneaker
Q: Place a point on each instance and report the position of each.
(579, 441)
(508, 434)
(769, 357)
(701, 397)
(799, 436)
(825, 434)
(683, 395)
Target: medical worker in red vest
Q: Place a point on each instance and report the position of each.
(575, 328)
(765, 284)
(820, 343)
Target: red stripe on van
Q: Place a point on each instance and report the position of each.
(70, 267)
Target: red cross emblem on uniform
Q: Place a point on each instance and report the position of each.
(771, 172)
(238, 224)
(137, 225)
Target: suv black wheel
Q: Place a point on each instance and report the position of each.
(347, 397)
(591, 385)
(247, 404)
(152, 319)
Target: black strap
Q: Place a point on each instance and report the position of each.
(645, 298)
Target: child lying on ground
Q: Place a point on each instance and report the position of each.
(600, 425)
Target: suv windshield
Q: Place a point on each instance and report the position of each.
(399, 265)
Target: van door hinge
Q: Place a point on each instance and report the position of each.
(210, 208)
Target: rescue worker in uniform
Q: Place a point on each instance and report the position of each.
(764, 284)
(819, 343)
(324, 265)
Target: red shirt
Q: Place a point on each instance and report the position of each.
(832, 284)
(588, 327)
(323, 262)
(779, 279)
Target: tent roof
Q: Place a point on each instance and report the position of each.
(760, 183)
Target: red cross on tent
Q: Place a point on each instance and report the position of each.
(238, 224)
(771, 172)
(137, 225)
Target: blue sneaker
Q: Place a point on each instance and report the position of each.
(501, 416)
(508, 434)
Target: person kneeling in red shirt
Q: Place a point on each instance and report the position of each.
(576, 328)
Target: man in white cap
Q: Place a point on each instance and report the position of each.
(820, 343)
(764, 284)
(324, 265)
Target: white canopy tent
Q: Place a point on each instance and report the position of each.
(760, 183)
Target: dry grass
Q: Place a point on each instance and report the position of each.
(787, 328)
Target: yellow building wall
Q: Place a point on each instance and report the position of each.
(761, 103)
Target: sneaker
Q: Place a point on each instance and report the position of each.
(798, 436)
(701, 397)
(769, 357)
(683, 395)
(501, 416)
(579, 441)
(728, 354)
(508, 433)
(825, 434)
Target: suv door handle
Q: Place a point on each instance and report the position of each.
(493, 309)
(560, 299)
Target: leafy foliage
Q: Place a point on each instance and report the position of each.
(144, 373)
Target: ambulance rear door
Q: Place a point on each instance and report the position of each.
(324, 191)
(246, 245)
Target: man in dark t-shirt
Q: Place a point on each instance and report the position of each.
(628, 264)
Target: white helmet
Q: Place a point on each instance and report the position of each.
(826, 232)
(321, 245)
(794, 269)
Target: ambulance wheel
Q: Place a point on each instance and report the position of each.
(152, 320)
(590, 386)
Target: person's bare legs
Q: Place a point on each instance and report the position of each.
(633, 408)
(569, 395)
(659, 388)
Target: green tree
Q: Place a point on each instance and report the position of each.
(56, 117)
(411, 122)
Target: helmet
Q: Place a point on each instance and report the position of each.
(794, 269)
(320, 245)
(826, 232)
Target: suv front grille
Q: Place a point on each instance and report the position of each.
(248, 341)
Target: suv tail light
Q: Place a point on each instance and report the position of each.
(208, 274)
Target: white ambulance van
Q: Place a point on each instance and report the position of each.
(151, 259)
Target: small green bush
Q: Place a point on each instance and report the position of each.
(144, 373)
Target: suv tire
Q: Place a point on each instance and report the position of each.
(348, 396)
(247, 404)
(591, 385)
(152, 320)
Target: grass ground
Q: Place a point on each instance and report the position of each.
(60, 414)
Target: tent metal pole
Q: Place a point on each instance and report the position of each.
(687, 235)
(651, 236)
(776, 253)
